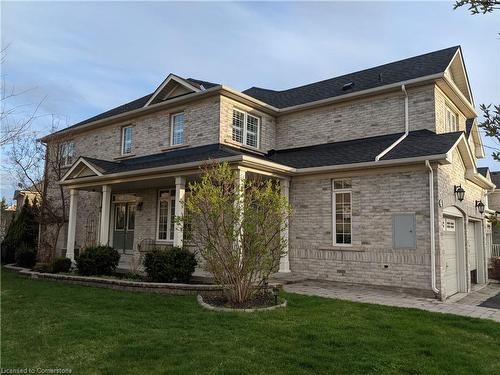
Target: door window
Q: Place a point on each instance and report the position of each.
(120, 217)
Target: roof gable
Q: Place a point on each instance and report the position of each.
(82, 168)
(457, 74)
(172, 87)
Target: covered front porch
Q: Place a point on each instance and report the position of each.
(136, 212)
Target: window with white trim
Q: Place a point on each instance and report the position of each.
(451, 120)
(246, 128)
(166, 215)
(342, 200)
(177, 129)
(67, 153)
(126, 140)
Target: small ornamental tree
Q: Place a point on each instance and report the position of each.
(236, 228)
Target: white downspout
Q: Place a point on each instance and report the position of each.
(432, 227)
(407, 128)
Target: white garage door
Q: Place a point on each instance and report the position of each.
(472, 245)
(450, 256)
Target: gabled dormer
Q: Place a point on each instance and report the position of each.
(174, 86)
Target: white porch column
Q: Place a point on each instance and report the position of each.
(73, 204)
(240, 201)
(180, 191)
(105, 215)
(284, 261)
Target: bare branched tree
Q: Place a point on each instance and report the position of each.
(38, 167)
(15, 119)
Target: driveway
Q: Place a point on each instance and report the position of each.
(469, 305)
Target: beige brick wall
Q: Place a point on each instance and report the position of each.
(376, 115)
(376, 196)
(441, 101)
(267, 123)
(151, 133)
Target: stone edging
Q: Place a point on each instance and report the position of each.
(228, 309)
(165, 288)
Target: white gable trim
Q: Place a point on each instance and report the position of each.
(458, 54)
(77, 163)
(171, 77)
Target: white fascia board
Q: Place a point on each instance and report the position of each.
(171, 77)
(443, 158)
(464, 71)
(461, 96)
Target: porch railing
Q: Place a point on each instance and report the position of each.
(495, 250)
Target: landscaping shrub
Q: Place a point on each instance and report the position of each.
(61, 264)
(22, 230)
(43, 267)
(25, 256)
(170, 265)
(98, 260)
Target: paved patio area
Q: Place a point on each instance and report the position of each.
(465, 305)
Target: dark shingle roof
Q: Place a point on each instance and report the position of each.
(403, 70)
(194, 154)
(134, 104)
(483, 171)
(468, 126)
(417, 143)
(495, 177)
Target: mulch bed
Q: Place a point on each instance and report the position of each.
(258, 301)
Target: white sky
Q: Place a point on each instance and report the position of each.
(86, 57)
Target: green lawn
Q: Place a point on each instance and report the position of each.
(53, 325)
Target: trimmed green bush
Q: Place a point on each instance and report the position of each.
(61, 264)
(98, 260)
(170, 265)
(43, 268)
(25, 256)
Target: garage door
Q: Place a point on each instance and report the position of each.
(450, 256)
(472, 245)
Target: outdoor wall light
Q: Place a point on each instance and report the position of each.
(459, 192)
(480, 206)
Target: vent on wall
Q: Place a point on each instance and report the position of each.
(347, 86)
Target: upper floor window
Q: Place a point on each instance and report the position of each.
(451, 120)
(177, 129)
(67, 153)
(246, 128)
(342, 224)
(126, 140)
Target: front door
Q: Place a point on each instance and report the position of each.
(123, 230)
(450, 256)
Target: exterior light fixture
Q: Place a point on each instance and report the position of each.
(459, 192)
(480, 206)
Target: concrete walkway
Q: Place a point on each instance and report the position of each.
(368, 294)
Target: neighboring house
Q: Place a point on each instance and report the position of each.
(21, 195)
(374, 163)
(494, 206)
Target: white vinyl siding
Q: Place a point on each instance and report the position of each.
(342, 201)
(246, 128)
(67, 153)
(177, 129)
(451, 121)
(166, 215)
(126, 140)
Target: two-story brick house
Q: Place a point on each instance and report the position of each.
(379, 167)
